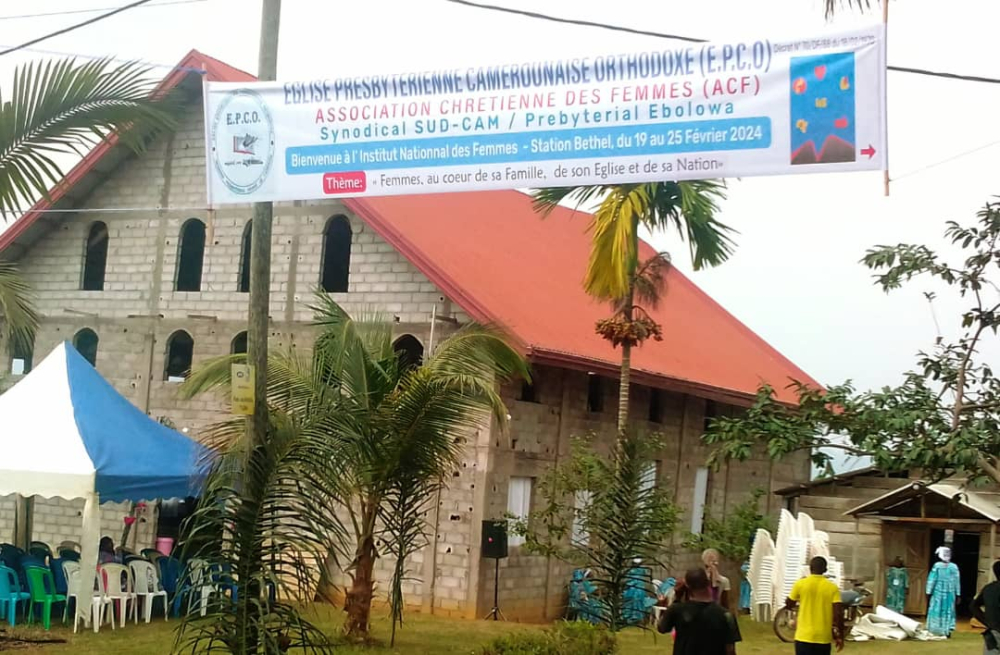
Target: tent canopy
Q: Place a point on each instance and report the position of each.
(67, 432)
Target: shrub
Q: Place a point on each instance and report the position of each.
(576, 637)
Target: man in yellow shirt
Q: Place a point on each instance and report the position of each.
(821, 616)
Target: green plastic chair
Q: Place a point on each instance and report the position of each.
(42, 587)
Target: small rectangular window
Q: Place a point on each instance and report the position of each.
(655, 406)
(529, 393)
(595, 394)
(518, 503)
(20, 360)
(700, 498)
(711, 411)
(581, 501)
(649, 476)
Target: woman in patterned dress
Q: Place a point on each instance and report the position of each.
(944, 589)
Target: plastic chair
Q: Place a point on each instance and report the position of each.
(10, 556)
(151, 555)
(42, 590)
(26, 561)
(41, 550)
(171, 571)
(148, 588)
(118, 588)
(10, 594)
(201, 582)
(99, 604)
(58, 574)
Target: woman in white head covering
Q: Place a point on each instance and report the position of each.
(944, 589)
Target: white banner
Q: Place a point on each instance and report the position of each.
(813, 105)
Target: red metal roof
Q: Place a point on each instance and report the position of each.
(494, 256)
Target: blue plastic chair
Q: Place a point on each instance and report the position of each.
(10, 594)
(58, 575)
(10, 556)
(68, 555)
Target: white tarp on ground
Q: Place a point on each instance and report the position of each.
(888, 625)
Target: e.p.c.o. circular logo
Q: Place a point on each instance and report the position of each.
(243, 141)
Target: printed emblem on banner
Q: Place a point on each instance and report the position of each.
(243, 141)
(822, 108)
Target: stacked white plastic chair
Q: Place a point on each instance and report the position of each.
(761, 575)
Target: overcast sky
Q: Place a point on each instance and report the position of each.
(795, 279)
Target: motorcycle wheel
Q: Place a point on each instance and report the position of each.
(784, 624)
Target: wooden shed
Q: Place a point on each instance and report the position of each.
(917, 517)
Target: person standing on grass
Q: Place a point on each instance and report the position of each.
(703, 627)
(719, 583)
(821, 615)
(986, 608)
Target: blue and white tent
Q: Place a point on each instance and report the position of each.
(66, 432)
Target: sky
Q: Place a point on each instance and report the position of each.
(795, 278)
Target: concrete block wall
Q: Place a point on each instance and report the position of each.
(6, 519)
(54, 520)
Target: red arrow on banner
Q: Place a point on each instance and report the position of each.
(869, 151)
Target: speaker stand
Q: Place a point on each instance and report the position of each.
(496, 613)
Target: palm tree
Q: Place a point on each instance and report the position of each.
(57, 108)
(60, 107)
(18, 309)
(395, 431)
(615, 273)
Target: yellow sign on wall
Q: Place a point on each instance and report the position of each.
(242, 389)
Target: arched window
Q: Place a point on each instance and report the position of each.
(95, 258)
(336, 255)
(180, 350)
(244, 283)
(85, 341)
(409, 350)
(239, 344)
(191, 256)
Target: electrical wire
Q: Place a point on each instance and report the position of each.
(68, 12)
(89, 21)
(690, 39)
(948, 160)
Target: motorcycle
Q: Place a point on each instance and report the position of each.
(851, 599)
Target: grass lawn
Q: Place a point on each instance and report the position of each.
(454, 637)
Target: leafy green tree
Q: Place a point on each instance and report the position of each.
(615, 271)
(395, 431)
(602, 513)
(732, 534)
(943, 419)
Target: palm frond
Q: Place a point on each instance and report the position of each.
(545, 200)
(60, 106)
(832, 5)
(18, 309)
(262, 523)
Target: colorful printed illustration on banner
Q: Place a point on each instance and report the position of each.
(823, 109)
(243, 141)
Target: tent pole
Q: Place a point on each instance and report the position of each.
(23, 508)
(88, 556)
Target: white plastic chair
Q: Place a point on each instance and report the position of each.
(99, 604)
(119, 594)
(202, 584)
(147, 587)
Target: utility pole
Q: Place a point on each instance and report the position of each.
(260, 243)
